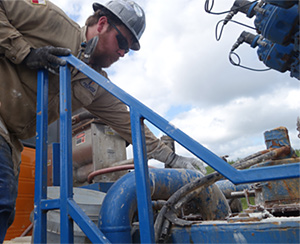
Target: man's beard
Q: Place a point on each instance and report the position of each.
(101, 58)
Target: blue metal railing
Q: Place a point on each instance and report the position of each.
(138, 113)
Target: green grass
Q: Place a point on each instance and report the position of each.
(211, 170)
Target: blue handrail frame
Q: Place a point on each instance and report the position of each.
(138, 113)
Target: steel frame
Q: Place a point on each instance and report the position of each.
(68, 208)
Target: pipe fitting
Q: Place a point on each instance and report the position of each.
(120, 203)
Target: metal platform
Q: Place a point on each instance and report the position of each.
(139, 112)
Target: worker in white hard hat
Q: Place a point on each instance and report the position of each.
(126, 20)
(32, 35)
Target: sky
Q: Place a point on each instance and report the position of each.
(183, 73)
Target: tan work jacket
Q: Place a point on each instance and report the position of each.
(24, 25)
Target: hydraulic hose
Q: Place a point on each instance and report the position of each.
(120, 203)
(189, 191)
(95, 173)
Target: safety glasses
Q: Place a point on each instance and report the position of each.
(122, 41)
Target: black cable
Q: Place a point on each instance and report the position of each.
(216, 30)
(239, 23)
(244, 67)
(236, 22)
(206, 180)
(208, 10)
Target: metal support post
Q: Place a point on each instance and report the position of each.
(66, 177)
(69, 210)
(56, 164)
(40, 218)
(142, 178)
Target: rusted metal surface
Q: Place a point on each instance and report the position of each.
(281, 197)
(285, 209)
(189, 192)
(278, 192)
(281, 193)
(272, 153)
(257, 230)
(279, 162)
(278, 138)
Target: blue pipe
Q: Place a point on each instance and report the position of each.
(120, 203)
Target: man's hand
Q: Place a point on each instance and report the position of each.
(177, 161)
(46, 57)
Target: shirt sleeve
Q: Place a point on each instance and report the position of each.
(12, 44)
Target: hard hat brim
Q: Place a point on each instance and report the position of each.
(136, 45)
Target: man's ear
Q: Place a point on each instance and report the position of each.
(102, 24)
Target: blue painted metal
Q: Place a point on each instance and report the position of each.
(277, 138)
(276, 56)
(251, 11)
(68, 208)
(281, 192)
(297, 42)
(277, 24)
(85, 223)
(234, 175)
(56, 164)
(295, 70)
(40, 219)
(278, 193)
(142, 177)
(66, 179)
(280, 230)
(282, 3)
(99, 186)
(138, 113)
(50, 204)
(120, 203)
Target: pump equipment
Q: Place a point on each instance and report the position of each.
(278, 36)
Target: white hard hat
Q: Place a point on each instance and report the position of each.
(130, 14)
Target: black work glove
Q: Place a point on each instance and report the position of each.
(46, 57)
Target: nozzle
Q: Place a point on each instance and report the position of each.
(245, 37)
(243, 6)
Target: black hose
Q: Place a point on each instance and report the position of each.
(189, 191)
(206, 180)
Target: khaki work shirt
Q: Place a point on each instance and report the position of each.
(24, 25)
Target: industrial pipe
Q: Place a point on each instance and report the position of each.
(112, 169)
(120, 203)
(92, 175)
